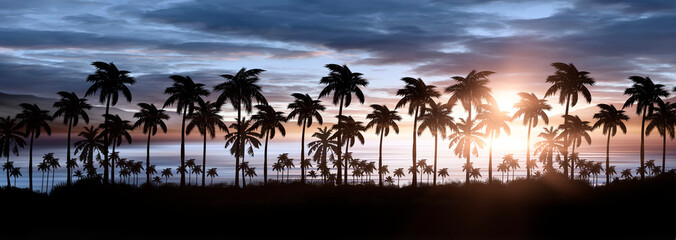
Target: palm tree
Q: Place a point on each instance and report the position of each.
(342, 82)
(511, 163)
(413, 170)
(494, 121)
(185, 93)
(664, 120)
(305, 108)
(241, 89)
(503, 167)
(313, 175)
(530, 164)
(78, 175)
(190, 165)
(399, 172)
(416, 94)
(443, 173)
(150, 170)
(16, 172)
(157, 180)
(548, 147)
(9, 165)
(206, 119)
(467, 167)
(109, 81)
(429, 169)
(243, 135)
(91, 143)
(166, 173)
(610, 171)
(610, 118)
(383, 119)
(250, 172)
(11, 139)
(626, 174)
(641, 170)
(286, 162)
(212, 173)
(116, 129)
(52, 163)
(349, 131)
(197, 170)
(269, 121)
(278, 167)
(72, 108)
(475, 173)
(466, 140)
(436, 118)
(471, 90)
(389, 180)
(531, 108)
(645, 94)
(422, 164)
(150, 118)
(323, 147)
(35, 120)
(569, 82)
(575, 130)
(650, 165)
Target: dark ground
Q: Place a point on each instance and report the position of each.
(550, 208)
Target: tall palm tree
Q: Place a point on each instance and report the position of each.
(305, 109)
(610, 118)
(471, 90)
(206, 119)
(212, 172)
(150, 118)
(241, 89)
(416, 94)
(575, 130)
(398, 173)
(88, 146)
(243, 135)
(664, 121)
(531, 108)
(436, 118)
(547, 147)
(35, 120)
(645, 94)
(186, 94)
(115, 129)
(71, 108)
(569, 82)
(383, 119)
(166, 173)
(109, 81)
(494, 121)
(11, 139)
(349, 131)
(342, 82)
(466, 140)
(269, 121)
(323, 147)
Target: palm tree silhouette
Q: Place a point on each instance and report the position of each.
(664, 119)
(569, 82)
(323, 146)
(436, 118)
(52, 163)
(466, 140)
(206, 118)
(342, 82)
(471, 90)
(286, 162)
(610, 118)
(16, 172)
(467, 167)
(115, 129)
(416, 94)
(212, 172)
(166, 173)
(313, 175)
(278, 167)
(150, 118)
(389, 180)
(88, 146)
(575, 130)
(269, 121)
(11, 139)
(109, 81)
(443, 173)
(78, 175)
(398, 173)
(305, 108)
(547, 147)
(189, 166)
(429, 169)
(35, 120)
(186, 94)
(475, 173)
(382, 119)
(197, 170)
(71, 108)
(71, 163)
(494, 121)
(530, 165)
(413, 170)
(241, 89)
(349, 131)
(645, 94)
(641, 170)
(157, 180)
(512, 163)
(150, 170)
(243, 134)
(503, 167)
(250, 172)
(422, 164)
(531, 108)
(610, 171)
(650, 165)
(9, 165)
(626, 174)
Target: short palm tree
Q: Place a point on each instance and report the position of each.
(382, 119)
(53, 164)
(512, 163)
(503, 167)
(71, 108)
(437, 118)
(206, 119)
(417, 95)
(150, 118)
(610, 119)
(530, 165)
(645, 94)
(626, 174)
(243, 135)
(286, 162)
(212, 172)
(305, 109)
(349, 131)
(495, 121)
(610, 171)
(475, 173)
(42, 167)
(322, 147)
(34, 120)
(11, 139)
(269, 121)
(185, 93)
(531, 108)
(466, 140)
(16, 172)
(398, 173)
(250, 172)
(443, 173)
(278, 167)
(91, 144)
(109, 81)
(166, 173)
(664, 120)
(548, 147)
(116, 129)
(575, 130)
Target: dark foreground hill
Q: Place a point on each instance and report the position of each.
(549, 208)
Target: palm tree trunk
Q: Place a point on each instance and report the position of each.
(608, 158)
(467, 142)
(182, 183)
(490, 161)
(572, 163)
(380, 159)
(8, 182)
(112, 165)
(47, 186)
(30, 163)
(53, 173)
(339, 143)
(643, 142)
(664, 150)
(42, 181)
(415, 127)
(204, 159)
(148, 159)
(302, 154)
(347, 148)
(106, 142)
(68, 177)
(530, 123)
(434, 174)
(565, 137)
(265, 159)
(239, 144)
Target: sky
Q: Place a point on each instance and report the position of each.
(47, 46)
